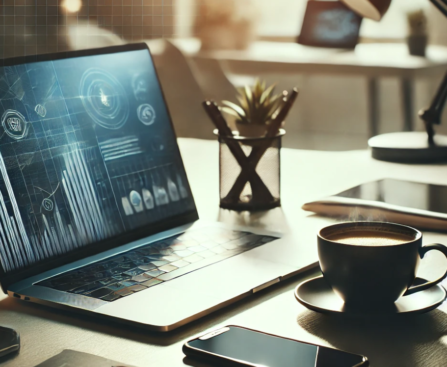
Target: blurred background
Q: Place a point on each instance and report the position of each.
(207, 48)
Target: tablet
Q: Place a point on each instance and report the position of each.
(420, 205)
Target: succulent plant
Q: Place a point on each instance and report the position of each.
(258, 104)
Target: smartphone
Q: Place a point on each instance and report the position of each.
(9, 341)
(237, 346)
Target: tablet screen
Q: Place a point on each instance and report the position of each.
(402, 193)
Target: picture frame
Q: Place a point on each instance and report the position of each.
(329, 24)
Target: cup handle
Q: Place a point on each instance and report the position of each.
(422, 252)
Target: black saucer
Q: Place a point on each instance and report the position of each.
(317, 295)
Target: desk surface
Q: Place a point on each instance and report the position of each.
(413, 341)
(373, 58)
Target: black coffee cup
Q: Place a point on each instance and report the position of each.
(362, 273)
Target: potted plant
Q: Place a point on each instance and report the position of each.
(258, 106)
(417, 38)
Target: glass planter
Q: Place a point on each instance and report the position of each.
(254, 185)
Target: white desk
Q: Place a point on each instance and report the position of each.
(418, 341)
(371, 61)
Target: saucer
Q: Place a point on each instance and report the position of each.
(317, 295)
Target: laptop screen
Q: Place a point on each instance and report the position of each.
(87, 153)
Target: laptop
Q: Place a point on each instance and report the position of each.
(96, 212)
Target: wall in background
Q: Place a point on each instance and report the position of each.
(37, 26)
(28, 27)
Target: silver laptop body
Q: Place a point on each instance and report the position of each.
(96, 212)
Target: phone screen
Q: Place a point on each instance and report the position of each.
(272, 351)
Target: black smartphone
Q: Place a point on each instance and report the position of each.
(9, 341)
(238, 346)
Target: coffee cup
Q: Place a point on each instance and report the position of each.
(373, 263)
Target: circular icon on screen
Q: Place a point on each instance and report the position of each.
(146, 114)
(104, 99)
(135, 198)
(47, 204)
(15, 125)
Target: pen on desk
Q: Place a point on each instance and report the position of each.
(289, 100)
(216, 117)
(218, 120)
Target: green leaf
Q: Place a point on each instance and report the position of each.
(235, 107)
(243, 102)
(248, 94)
(267, 93)
(230, 111)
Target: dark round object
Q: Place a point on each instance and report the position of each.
(317, 295)
(9, 341)
(409, 147)
(369, 273)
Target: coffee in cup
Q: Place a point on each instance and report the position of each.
(372, 263)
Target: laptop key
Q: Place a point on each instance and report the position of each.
(166, 251)
(154, 273)
(116, 286)
(123, 268)
(106, 281)
(159, 262)
(101, 292)
(121, 277)
(183, 253)
(147, 267)
(209, 244)
(168, 268)
(133, 257)
(206, 254)
(171, 258)
(65, 287)
(197, 248)
(119, 259)
(190, 243)
(128, 283)
(152, 282)
(107, 265)
(140, 278)
(102, 274)
(124, 292)
(142, 261)
(137, 288)
(134, 271)
(229, 245)
(111, 297)
(178, 246)
(218, 249)
(180, 263)
(154, 257)
(193, 258)
(87, 288)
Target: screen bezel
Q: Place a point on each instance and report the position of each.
(94, 248)
(191, 351)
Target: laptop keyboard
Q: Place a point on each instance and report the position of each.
(155, 263)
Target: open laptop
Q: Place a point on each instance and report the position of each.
(96, 213)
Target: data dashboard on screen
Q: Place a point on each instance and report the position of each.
(87, 152)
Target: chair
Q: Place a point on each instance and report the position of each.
(183, 94)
